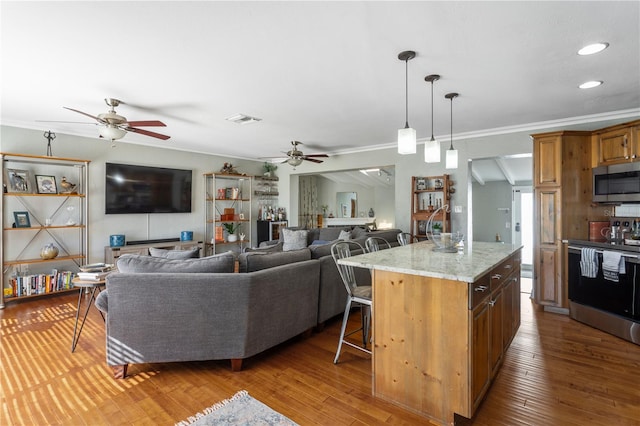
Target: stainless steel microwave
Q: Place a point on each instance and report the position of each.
(618, 183)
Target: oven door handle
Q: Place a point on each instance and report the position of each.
(624, 254)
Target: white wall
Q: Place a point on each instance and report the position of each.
(492, 199)
(134, 226)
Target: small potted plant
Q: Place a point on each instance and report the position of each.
(231, 229)
(437, 228)
(269, 168)
(324, 208)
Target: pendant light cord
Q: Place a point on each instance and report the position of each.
(406, 93)
(432, 138)
(451, 148)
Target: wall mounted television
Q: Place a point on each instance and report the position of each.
(142, 189)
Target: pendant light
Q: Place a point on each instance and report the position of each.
(406, 136)
(432, 147)
(452, 154)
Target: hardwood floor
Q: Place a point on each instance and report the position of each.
(556, 372)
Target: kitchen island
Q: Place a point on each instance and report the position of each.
(441, 324)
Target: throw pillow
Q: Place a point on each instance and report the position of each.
(358, 232)
(175, 254)
(294, 240)
(344, 235)
(134, 263)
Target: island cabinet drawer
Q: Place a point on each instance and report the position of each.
(501, 273)
(479, 291)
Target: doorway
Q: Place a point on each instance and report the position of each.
(522, 232)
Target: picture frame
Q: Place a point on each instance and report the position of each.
(241, 216)
(18, 180)
(22, 219)
(421, 184)
(46, 184)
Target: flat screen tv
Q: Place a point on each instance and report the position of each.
(143, 189)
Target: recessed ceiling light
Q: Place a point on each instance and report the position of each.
(590, 84)
(243, 119)
(593, 48)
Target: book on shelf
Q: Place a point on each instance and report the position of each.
(32, 284)
(93, 276)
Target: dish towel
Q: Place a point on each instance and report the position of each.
(588, 262)
(612, 265)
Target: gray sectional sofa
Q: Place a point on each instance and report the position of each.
(166, 310)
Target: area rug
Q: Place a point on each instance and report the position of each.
(240, 409)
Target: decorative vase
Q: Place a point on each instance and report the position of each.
(232, 238)
(371, 212)
(49, 251)
(116, 240)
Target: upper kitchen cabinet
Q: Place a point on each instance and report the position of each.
(617, 144)
(547, 163)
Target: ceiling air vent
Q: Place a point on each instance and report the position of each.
(243, 119)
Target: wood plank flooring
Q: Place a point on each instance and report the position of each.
(556, 372)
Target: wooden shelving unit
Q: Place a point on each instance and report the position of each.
(226, 191)
(56, 217)
(428, 193)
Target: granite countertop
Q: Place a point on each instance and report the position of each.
(420, 259)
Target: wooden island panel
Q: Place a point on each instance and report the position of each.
(421, 352)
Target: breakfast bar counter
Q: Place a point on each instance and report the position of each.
(441, 324)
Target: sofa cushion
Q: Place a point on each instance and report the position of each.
(175, 254)
(330, 234)
(294, 240)
(134, 263)
(256, 261)
(266, 247)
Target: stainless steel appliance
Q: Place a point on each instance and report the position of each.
(618, 183)
(610, 306)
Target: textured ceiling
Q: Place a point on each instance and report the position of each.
(324, 73)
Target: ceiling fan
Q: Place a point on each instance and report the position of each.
(113, 126)
(295, 157)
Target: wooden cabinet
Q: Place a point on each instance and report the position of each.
(480, 351)
(546, 167)
(562, 207)
(44, 202)
(227, 205)
(497, 312)
(428, 194)
(618, 144)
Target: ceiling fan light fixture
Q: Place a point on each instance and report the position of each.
(406, 136)
(294, 161)
(111, 132)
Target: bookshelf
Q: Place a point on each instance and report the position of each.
(44, 202)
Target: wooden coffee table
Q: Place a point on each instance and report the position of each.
(84, 286)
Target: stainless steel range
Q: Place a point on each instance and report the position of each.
(611, 306)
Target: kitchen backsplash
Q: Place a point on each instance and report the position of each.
(627, 210)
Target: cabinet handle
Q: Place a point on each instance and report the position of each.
(496, 277)
(508, 266)
(492, 303)
(481, 288)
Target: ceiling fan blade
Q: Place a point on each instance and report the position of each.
(99, 120)
(147, 133)
(70, 122)
(317, 155)
(313, 160)
(147, 123)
